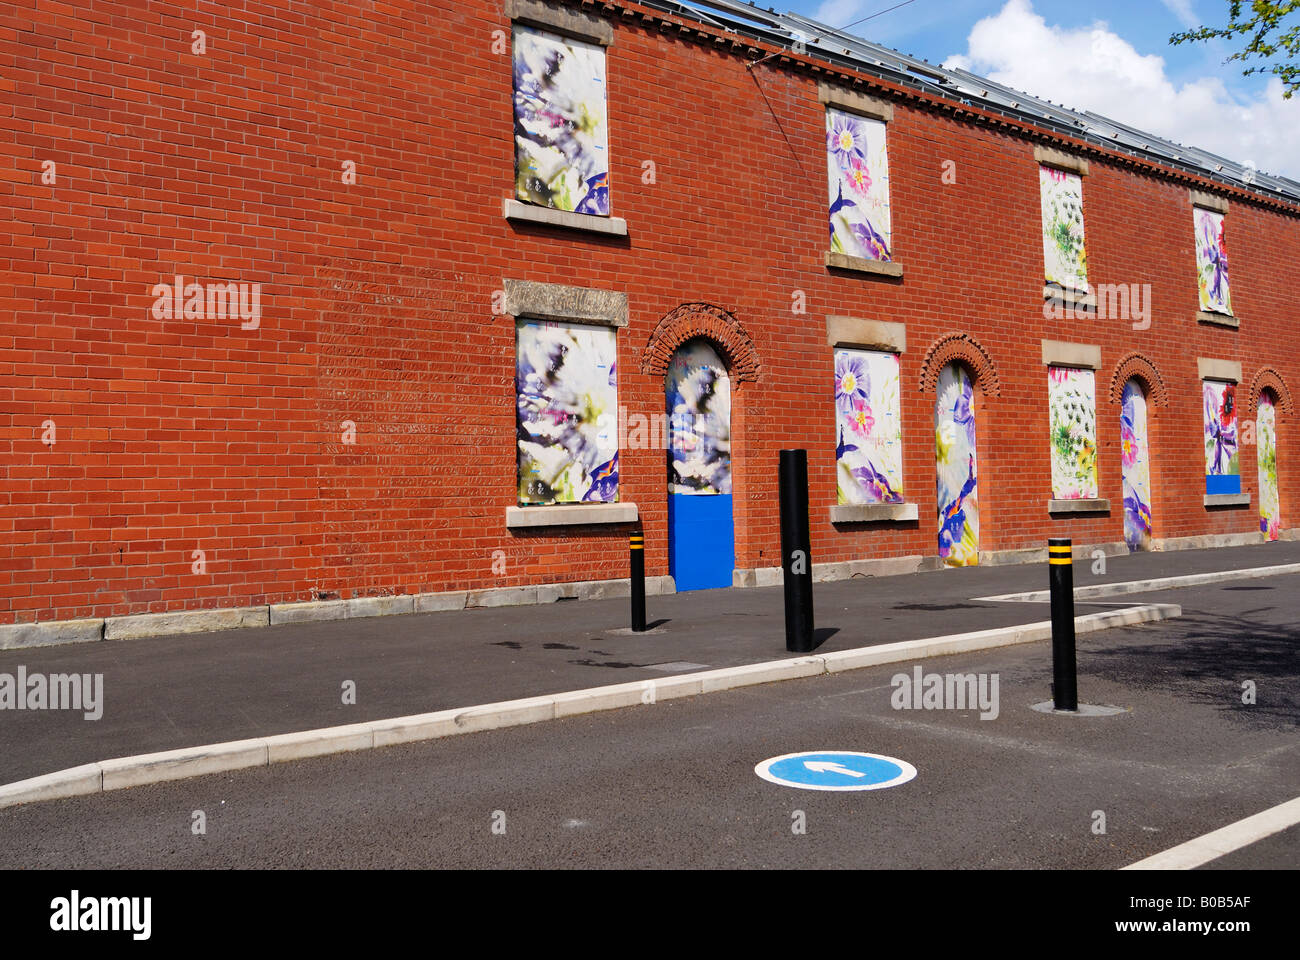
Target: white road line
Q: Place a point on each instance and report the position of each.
(1234, 836)
(1145, 586)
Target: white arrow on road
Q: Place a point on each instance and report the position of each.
(827, 766)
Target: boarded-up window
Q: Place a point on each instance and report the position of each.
(1064, 255)
(1072, 403)
(1270, 507)
(869, 444)
(957, 486)
(566, 413)
(1135, 457)
(1211, 262)
(1222, 464)
(561, 129)
(699, 412)
(857, 164)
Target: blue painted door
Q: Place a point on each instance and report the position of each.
(701, 529)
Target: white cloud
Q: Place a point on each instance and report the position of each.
(1182, 9)
(838, 12)
(1093, 68)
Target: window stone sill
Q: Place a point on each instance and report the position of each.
(872, 512)
(571, 514)
(1227, 499)
(517, 212)
(1218, 319)
(880, 268)
(1078, 506)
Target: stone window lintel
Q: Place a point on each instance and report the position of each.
(575, 23)
(855, 332)
(1060, 160)
(1085, 356)
(558, 302)
(859, 103)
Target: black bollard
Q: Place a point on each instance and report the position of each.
(1065, 684)
(636, 545)
(796, 557)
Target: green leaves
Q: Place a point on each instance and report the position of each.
(1269, 39)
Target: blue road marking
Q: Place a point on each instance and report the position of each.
(836, 770)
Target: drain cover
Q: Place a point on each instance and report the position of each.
(677, 666)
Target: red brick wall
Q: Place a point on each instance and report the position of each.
(183, 435)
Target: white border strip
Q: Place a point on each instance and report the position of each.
(1146, 586)
(260, 752)
(1225, 840)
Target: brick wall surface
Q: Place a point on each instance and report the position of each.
(182, 435)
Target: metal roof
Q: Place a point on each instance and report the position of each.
(961, 86)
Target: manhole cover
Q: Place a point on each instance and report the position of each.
(677, 666)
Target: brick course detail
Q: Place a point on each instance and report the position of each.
(1136, 365)
(359, 440)
(1270, 380)
(692, 320)
(966, 350)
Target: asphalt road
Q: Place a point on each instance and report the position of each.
(673, 785)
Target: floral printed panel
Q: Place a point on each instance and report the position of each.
(1136, 463)
(566, 413)
(1222, 464)
(1212, 262)
(1072, 405)
(956, 478)
(1064, 255)
(699, 421)
(1270, 509)
(561, 130)
(869, 447)
(858, 169)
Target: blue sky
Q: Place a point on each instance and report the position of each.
(937, 29)
(1111, 56)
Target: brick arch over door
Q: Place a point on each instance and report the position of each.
(692, 320)
(967, 350)
(1136, 365)
(1269, 379)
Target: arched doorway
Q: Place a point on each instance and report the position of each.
(1135, 459)
(701, 526)
(1270, 507)
(955, 467)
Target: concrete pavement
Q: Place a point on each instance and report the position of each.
(172, 692)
